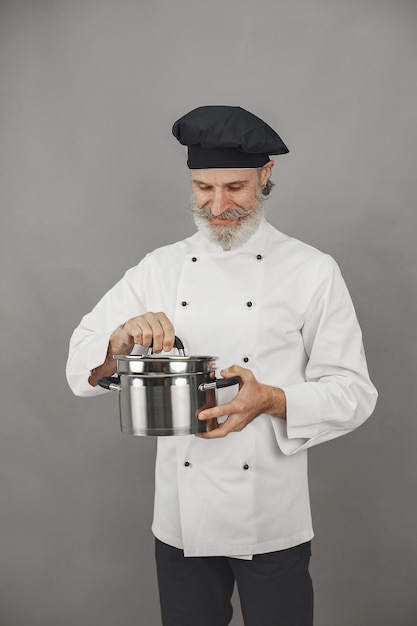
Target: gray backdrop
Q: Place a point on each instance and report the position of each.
(91, 179)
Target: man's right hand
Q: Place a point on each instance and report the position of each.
(150, 329)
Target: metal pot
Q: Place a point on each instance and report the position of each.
(163, 395)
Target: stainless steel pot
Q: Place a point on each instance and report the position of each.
(162, 395)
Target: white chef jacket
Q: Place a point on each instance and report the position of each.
(280, 308)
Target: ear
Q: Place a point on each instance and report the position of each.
(266, 172)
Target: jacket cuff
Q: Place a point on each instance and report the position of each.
(301, 425)
(77, 377)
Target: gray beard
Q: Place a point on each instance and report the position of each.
(233, 235)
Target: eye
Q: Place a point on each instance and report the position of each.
(235, 187)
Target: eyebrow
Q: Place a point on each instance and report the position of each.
(232, 182)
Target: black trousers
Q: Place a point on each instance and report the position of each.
(275, 588)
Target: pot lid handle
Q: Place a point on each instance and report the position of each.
(178, 345)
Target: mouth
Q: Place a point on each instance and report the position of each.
(223, 221)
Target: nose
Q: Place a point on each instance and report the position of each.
(219, 201)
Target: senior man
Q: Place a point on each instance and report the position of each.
(232, 504)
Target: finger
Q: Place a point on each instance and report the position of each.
(233, 423)
(154, 333)
(163, 331)
(216, 411)
(218, 433)
(168, 332)
(143, 333)
(132, 331)
(138, 331)
(157, 331)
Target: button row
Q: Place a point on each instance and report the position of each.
(259, 257)
(245, 466)
(184, 303)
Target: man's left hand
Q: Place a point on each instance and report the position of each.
(253, 399)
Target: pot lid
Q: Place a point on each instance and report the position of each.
(164, 365)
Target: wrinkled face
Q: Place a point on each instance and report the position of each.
(222, 190)
(228, 203)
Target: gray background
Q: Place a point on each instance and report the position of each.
(91, 179)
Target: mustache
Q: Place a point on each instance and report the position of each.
(234, 213)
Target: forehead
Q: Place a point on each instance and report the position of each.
(225, 176)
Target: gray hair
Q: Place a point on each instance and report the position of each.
(267, 188)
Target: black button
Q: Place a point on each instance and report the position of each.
(194, 259)
(246, 466)
(184, 303)
(249, 304)
(259, 257)
(245, 359)
(187, 464)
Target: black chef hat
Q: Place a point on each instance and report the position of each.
(226, 137)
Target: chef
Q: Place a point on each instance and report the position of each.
(232, 504)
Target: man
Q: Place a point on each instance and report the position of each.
(232, 504)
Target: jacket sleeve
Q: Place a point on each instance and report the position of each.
(337, 395)
(89, 341)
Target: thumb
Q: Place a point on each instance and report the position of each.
(236, 370)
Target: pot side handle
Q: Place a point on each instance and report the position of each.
(110, 382)
(227, 382)
(218, 383)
